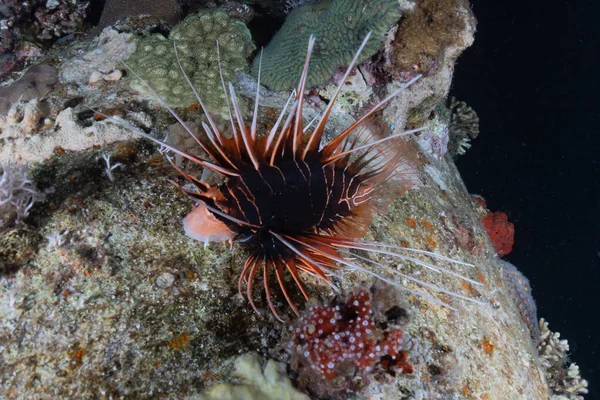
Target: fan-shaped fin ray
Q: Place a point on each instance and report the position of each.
(317, 134)
(255, 115)
(298, 131)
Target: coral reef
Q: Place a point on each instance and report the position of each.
(339, 26)
(424, 36)
(37, 81)
(565, 383)
(464, 126)
(520, 291)
(18, 193)
(39, 20)
(103, 295)
(117, 10)
(195, 37)
(500, 231)
(106, 52)
(269, 382)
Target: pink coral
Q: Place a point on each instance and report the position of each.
(329, 338)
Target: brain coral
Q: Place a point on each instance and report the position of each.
(339, 26)
(195, 38)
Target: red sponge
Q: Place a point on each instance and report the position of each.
(499, 229)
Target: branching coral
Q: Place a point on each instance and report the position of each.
(564, 382)
(196, 40)
(339, 26)
(464, 126)
(17, 193)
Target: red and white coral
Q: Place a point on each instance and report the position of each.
(329, 338)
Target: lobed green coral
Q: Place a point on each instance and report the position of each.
(195, 37)
(339, 26)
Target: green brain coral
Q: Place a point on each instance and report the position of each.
(339, 26)
(195, 38)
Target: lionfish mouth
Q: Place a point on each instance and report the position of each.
(299, 204)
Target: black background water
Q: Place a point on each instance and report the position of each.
(532, 78)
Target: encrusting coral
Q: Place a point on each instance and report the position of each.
(196, 39)
(338, 25)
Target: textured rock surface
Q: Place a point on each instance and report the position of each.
(107, 51)
(106, 297)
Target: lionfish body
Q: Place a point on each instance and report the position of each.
(296, 202)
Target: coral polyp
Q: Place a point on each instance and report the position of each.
(297, 203)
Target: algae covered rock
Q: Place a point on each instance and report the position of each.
(196, 39)
(339, 26)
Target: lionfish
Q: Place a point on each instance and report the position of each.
(298, 204)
